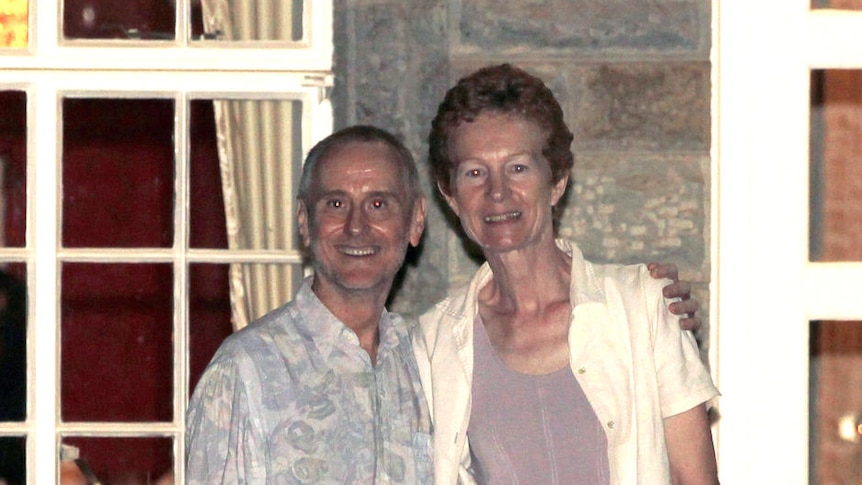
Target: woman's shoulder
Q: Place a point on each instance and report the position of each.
(630, 280)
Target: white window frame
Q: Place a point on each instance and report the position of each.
(765, 290)
(50, 69)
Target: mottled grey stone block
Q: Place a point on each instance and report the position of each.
(582, 26)
(644, 106)
(640, 208)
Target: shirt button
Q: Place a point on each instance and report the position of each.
(611, 424)
(582, 370)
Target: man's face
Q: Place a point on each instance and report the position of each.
(361, 219)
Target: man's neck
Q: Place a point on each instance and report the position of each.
(359, 311)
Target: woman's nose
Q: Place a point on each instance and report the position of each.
(498, 188)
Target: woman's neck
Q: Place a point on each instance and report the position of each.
(527, 280)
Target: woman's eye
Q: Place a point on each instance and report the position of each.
(473, 172)
(520, 167)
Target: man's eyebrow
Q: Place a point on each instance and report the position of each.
(322, 194)
(384, 193)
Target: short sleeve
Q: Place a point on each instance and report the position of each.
(683, 379)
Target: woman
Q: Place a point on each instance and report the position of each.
(548, 368)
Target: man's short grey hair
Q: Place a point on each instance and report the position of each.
(361, 134)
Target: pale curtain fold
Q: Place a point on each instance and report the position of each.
(259, 159)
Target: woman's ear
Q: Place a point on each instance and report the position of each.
(559, 189)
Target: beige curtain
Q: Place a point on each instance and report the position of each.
(259, 158)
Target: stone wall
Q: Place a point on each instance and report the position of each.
(633, 78)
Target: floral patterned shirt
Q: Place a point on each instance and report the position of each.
(294, 399)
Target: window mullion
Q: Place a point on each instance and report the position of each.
(46, 28)
(182, 201)
(43, 225)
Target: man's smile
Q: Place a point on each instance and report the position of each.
(506, 216)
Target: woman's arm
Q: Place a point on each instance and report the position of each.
(689, 448)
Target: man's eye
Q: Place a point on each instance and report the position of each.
(335, 204)
(378, 204)
(473, 172)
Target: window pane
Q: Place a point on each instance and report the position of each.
(13, 23)
(117, 342)
(118, 172)
(253, 20)
(266, 287)
(836, 155)
(13, 342)
(207, 211)
(13, 460)
(209, 315)
(263, 159)
(120, 460)
(13, 168)
(111, 19)
(836, 408)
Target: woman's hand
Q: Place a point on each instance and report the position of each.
(687, 306)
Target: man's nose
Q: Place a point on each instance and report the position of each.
(356, 221)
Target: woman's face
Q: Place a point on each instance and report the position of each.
(502, 189)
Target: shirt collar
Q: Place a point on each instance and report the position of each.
(325, 329)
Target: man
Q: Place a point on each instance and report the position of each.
(325, 389)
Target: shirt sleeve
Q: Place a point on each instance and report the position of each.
(223, 442)
(683, 379)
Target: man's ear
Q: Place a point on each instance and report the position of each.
(302, 222)
(449, 199)
(559, 189)
(417, 223)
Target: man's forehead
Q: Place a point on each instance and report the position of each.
(360, 158)
(369, 166)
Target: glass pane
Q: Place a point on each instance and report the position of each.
(118, 172)
(116, 342)
(836, 407)
(111, 19)
(207, 211)
(263, 160)
(253, 20)
(837, 4)
(13, 460)
(209, 315)
(118, 460)
(13, 168)
(267, 286)
(13, 23)
(836, 155)
(13, 342)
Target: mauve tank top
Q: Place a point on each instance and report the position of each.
(532, 429)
